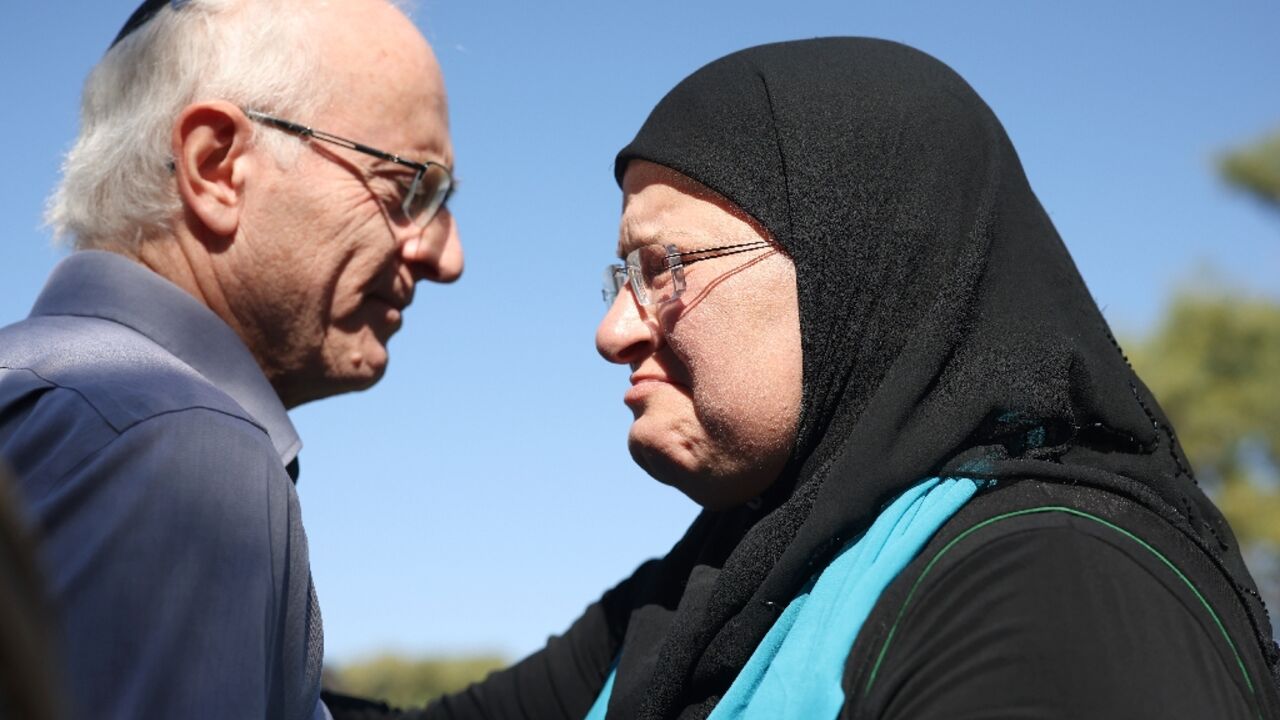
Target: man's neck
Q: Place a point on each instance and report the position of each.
(185, 261)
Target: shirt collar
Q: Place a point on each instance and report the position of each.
(93, 283)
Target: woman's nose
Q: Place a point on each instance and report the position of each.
(626, 335)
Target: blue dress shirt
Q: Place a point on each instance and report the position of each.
(151, 453)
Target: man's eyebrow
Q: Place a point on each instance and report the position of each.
(387, 167)
(423, 156)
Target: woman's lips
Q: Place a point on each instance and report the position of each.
(643, 385)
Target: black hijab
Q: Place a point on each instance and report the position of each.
(945, 331)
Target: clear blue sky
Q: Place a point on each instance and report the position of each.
(481, 495)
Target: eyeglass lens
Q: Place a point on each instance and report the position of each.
(427, 194)
(654, 272)
(615, 276)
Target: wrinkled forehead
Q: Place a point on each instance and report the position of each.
(661, 205)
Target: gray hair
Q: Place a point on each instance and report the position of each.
(117, 188)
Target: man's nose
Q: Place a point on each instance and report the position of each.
(435, 254)
(626, 335)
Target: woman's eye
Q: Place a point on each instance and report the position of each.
(658, 278)
(653, 265)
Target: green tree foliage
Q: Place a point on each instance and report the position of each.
(408, 682)
(1256, 168)
(1214, 365)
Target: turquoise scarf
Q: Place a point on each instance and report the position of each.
(795, 671)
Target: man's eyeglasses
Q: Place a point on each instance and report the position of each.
(432, 182)
(656, 272)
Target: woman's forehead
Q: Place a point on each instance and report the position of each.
(684, 231)
(656, 210)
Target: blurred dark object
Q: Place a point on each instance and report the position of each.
(28, 686)
(346, 707)
(1256, 168)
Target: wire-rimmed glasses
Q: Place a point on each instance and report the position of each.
(656, 272)
(422, 199)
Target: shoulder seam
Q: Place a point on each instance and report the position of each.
(120, 433)
(1070, 511)
(58, 386)
(120, 429)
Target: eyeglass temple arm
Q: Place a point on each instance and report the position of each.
(724, 250)
(307, 132)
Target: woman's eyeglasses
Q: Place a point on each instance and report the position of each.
(656, 272)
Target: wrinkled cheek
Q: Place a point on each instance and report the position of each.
(722, 393)
(744, 415)
(349, 301)
(667, 430)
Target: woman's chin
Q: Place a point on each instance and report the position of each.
(711, 490)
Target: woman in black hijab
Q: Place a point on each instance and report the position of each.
(934, 487)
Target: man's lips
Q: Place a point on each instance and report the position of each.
(391, 308)
(394, 292)
(395, 301)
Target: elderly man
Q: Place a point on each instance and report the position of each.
(237, 256)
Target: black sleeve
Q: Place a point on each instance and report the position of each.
(1053, 616)
(559, 682)
(29, 685)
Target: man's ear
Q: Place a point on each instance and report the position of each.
(211, 143)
